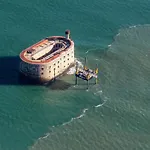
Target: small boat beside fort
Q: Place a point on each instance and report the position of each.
(48, 58)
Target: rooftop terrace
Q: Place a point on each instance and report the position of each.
(46, 49)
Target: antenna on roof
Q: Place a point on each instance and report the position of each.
(85, 63)
(67, 33)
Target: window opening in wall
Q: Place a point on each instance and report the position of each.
(68, 54)
(64, 61)
(68, 64)
(41, 72)
(54, 64)
(42, 68)
(64, 66)
(58, 62)
(49, 67)
(49, 71)
(64, 56)
(68, 58)
(58, 66)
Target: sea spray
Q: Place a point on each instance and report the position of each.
(73, 69)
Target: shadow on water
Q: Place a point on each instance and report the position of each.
(9, 70)
(9, 75)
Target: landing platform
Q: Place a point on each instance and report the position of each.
(86, 74)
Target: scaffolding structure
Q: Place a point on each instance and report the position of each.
(86, 74)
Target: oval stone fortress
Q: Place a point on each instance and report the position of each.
(48, 58)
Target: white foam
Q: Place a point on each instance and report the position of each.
(73, 69)
(79, 116)
(109, 45)
(99, 105)
(118, 34)
(84, 110)
(44, 137)
(98, 92)
(132, 26)
(87, 90)
(86, 52)
(79, 63)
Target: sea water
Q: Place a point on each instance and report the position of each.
(114, 114)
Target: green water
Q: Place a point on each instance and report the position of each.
(111, 115)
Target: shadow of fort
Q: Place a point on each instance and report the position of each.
(9, 67)
(9, 75)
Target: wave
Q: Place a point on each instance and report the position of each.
(72, 119)
(83, 113)
(118, 34)
(134, 26)
(99, 105)
(78, 117)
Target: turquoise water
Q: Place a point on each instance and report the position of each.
(111, 115)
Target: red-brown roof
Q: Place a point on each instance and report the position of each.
(22, 54)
